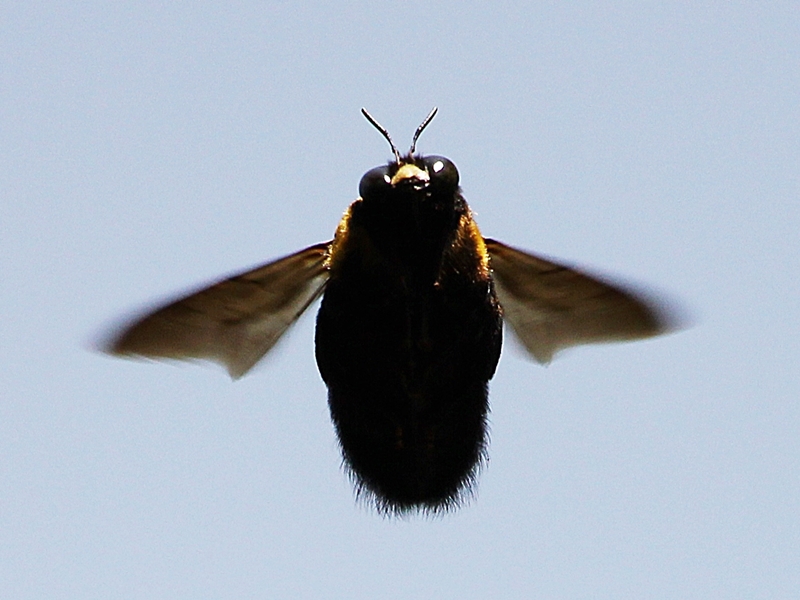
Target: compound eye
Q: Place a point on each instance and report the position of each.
(375, 181)
(442, 171)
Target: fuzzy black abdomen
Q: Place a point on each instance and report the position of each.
(407, 366)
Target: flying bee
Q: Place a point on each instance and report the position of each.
(409, 329)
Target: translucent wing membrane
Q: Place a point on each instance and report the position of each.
(234, 322)
(551, 307)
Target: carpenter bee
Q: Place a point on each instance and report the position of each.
(409, 329)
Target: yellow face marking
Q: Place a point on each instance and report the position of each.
(409, 171)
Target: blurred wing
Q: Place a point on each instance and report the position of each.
(233, 322)
(551, 307)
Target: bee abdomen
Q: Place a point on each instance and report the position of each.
(407, 378)
(412, 453)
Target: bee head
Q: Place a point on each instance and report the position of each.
(416, 173)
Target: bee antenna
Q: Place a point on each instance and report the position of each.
(421, 127)
(382, 129)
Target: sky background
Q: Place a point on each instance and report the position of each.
(148, 147)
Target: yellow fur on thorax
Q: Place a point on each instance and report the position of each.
(467, 232)
(467, 228)
(334, 250)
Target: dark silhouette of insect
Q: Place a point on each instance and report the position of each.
(409, 329)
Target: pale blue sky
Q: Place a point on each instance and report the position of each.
(148, 149)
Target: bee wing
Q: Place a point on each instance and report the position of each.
(233, 322)
(551, 307)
